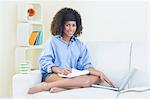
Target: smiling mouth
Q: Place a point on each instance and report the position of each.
(70, 33)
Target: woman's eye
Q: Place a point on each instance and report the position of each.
(73, 25)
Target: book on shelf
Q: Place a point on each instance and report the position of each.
(36, 38)
(33, 37)
(40, 38)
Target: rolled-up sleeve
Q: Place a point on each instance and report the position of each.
(46, 60)
(84, 60)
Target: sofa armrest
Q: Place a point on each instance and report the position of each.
(22, 82)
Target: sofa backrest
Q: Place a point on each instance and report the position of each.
(113, 58)
(139, 60)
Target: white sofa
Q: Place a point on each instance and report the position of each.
(115, 59)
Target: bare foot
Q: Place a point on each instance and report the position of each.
(38, 88)
(56, 89)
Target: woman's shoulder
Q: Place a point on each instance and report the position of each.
(52, 38)
(55, 37)
(80, 42)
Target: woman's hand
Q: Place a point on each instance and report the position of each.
(58, 70)
(105, 79)
(101, 75)
(65, 71)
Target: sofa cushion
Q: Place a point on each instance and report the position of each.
(112, 58)
(86, 93)
(139, 60)
(22, 82)
(134, 95)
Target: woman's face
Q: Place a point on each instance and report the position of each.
(69, 28)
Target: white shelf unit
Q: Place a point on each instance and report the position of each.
(26, 25)
(23, 12)
(24, 31)
(27, 54)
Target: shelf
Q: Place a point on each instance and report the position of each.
(27, 55)
(36, 47)
(35, 22)
(23, 12)
(31, 47)
(24, 31)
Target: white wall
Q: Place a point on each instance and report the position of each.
(105, 20)
(7, 45)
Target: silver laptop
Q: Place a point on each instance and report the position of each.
(122, 86)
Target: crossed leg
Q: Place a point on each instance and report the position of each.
(60, 84)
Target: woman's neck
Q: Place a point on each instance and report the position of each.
(66, 39)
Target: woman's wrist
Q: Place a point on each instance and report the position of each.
(94, 71)
(56, 69)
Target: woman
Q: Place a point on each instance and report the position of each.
(63, 52)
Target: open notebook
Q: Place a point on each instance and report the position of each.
(122, 86)
(75, 73)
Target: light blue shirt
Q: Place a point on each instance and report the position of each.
(59, 53)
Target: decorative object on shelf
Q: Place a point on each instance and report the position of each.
(35, 38)
(31, 12)
(29, 34)
(24, 68)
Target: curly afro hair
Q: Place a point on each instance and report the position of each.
(66, 14)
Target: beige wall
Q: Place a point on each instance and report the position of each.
(148, 15)
(103, 20)
(7, 45)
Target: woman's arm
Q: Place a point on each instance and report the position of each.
(100, 74)
(58, 70)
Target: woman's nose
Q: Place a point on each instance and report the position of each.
(71, 28)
